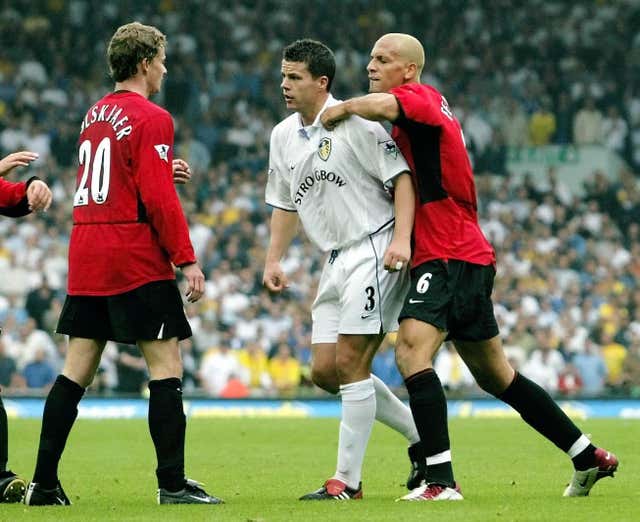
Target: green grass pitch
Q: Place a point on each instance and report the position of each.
(261, 466)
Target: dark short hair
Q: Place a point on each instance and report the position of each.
(131, 44)
(316, 55)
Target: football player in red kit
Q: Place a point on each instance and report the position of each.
(17, 199)
(452, 274)
(129, 231)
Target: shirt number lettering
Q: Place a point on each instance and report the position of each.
(423, 283)
(100, 169)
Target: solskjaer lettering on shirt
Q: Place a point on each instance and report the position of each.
(109, 113)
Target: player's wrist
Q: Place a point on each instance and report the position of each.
(349, 107)
(31, 180)
(402, 236)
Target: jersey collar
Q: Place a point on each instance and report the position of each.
(307, 131)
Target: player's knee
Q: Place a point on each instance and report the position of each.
(80, 375)
(83, 381)
(176, 370)
(348, 363)
(492, 378)
(488, 385)
(325, 378)
(405, 354)
(487, 381)
(166, 370)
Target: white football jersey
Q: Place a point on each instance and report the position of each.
(336, 179)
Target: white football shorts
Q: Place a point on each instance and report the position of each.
(356, 295)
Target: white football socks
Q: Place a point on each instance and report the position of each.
(393, 412)
(358, 416)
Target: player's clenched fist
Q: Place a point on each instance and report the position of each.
(274, 278)
(331, 116)
(397, 255)
(181, 171)
(195, 281)
(39, 196)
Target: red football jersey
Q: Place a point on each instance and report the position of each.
(128, 224)
(430, 137)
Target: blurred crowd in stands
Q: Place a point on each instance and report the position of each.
(516, 74)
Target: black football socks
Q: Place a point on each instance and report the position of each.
(60, 412)
(540, 411)
(167, 425)
(429, 409)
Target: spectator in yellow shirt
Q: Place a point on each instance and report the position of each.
(285, 370)
(542, 124)
(255, 361)
(614, 355)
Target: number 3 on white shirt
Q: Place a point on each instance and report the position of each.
(101, 165)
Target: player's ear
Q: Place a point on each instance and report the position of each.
(411, 71)
(323, 81)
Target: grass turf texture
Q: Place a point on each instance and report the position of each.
(261, 466)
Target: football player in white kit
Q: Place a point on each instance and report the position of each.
(337, 184)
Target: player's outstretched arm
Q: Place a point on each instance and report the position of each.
(181, 171)
(284, 226)
(195, 281)
(398, 253)
(16, 159)
(379, 106)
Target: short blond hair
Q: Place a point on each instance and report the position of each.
(131, 44)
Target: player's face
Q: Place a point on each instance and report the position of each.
(299, 88)
(386, 69)
(156, 72)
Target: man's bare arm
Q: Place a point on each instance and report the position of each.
(379, 106)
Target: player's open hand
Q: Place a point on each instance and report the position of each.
(397, 255)
(195, 281)
(333, 115)
(181, 171)
(16, 159)
(274, 278)
(39, 196)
